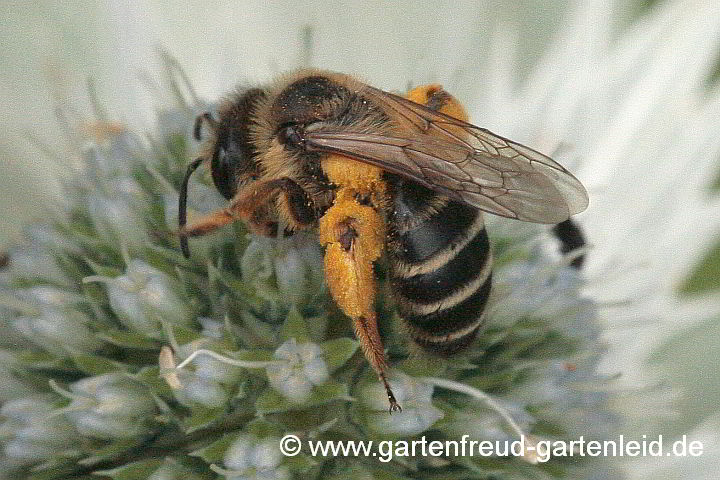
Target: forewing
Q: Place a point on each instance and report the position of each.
(462, 161)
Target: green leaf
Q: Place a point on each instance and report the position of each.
(127, 339)
(185, 335)
(256, 355)
(111, 451)
(201, 417)
(263, 428)
(301, 463)
(104, 270)
(240, 290)
(56, 472)
(167, 256)
(338, 351)
(295, 327)
(133, 471)
(36, 359)
(150, 376)
(263, 330)
(215, 452)
(271, 401)
(94, 365)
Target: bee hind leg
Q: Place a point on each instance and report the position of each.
(353, 236)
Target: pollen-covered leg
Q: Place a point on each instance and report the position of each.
(436, 98)
(353, 236)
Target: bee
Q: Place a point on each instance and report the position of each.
(377, 174)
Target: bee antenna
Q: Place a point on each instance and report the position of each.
(182, 207)
(199, 120)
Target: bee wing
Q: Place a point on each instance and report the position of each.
(462, 161)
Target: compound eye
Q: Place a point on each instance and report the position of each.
(291, 135)
(223, 173)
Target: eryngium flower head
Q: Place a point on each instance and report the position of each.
(293, 365)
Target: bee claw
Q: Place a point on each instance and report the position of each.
(395, 407)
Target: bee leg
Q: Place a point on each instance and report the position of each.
(353, 235)
(250, 205)
(571, 238)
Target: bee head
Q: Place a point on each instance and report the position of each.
(229, 149)
(232, 154)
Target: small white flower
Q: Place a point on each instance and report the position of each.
(204, 382)
(251, 458)
(304, 367)
(198, 390)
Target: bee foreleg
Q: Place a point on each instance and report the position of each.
(353, 236)
(247, 205)
(251, 205)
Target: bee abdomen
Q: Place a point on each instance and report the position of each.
(441, 272)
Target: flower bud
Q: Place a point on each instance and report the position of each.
(289, 268)
(110, 406)
(117, 215)
(112, 155)
(49, 295)
(33, 262)
(48, 237)
(36, 261)
(145, 296)
(298, 267)
(58, 330)
(30, 434)
(197, 390)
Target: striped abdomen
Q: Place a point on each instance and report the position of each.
(440, 267)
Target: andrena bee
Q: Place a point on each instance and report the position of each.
(376, 173)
